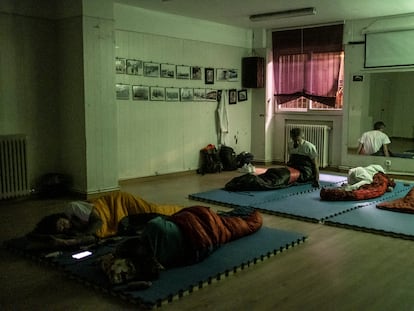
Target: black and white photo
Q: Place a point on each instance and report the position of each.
(122, 91)
(140, 92)
(242, 95)
(134, 67)
(232, 96)
(151, 69)
(167, 71)
(209, 75)
(172, 94)
(211, 95)
(157, 93)
(186, 94)
(199, 94)
(182, 72)
(120, 65)
(196, 73)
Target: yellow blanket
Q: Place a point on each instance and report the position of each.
(113, 207)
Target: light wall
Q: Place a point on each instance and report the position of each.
(57, 81)
(358, 116)
(28, 89)
(159, 137)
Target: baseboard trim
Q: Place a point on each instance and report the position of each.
(153, 177)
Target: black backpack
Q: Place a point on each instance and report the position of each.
(244, 158)
(228, 158)
(210, 160)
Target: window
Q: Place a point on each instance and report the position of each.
(308, 68)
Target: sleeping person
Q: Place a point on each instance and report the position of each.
(83, 222)
(302, 167)
(362, 183)
(184, 238)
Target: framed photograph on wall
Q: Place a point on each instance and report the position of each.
(232, 75)
(122, 91)
(134, 67)
(140, 92)
(232, 96)
(182, 72)
(151, 69)
(157, 93)
(186, 94)
(211, 95)
(196, 73)
(242, 95)
(167, 71)
(221, 74)
(209, 75)
(199, 94)
(172, 94)
(120, 65)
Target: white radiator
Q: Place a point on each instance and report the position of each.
(13, 167)
(317, 135)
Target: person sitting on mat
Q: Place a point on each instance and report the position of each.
(374, 142)
(83, 222)
(302, 167)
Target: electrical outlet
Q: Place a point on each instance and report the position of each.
(388, 162)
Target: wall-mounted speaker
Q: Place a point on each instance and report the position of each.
(253, 72)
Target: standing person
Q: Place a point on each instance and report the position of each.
(374, 142)
(301, 150)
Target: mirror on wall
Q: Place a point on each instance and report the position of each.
(383, 96)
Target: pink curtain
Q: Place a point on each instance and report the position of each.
(307, 63)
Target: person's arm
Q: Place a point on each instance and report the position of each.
(386, 151)
(57, 242)
(359, 150)
(315, 182)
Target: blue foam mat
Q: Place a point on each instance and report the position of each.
(174, 283)
(372, 219)
(301, 201)
(250, 198)
(309, 206)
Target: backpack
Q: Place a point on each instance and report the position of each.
(244, 158)
(228, 158)
(210, 160)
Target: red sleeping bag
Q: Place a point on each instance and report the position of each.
(377, 188)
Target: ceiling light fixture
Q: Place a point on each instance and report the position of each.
(283, 14)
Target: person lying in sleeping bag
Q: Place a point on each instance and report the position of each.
(302, 167)
(184, 238)
(363, 183)
(85, 222)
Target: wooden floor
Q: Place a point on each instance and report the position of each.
(335, 269)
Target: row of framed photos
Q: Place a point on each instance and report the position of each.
(175, 94)
(171, 71)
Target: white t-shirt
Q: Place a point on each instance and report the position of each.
(360, 176)
(80, 209)
(373, 141)
(306, 148)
